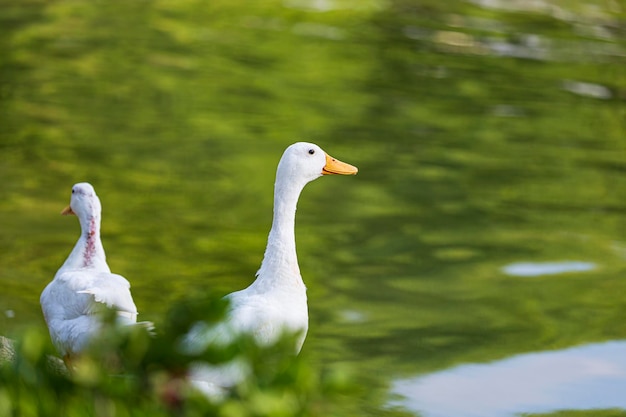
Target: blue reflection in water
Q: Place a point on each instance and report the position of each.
(535, 269)
(580, 378)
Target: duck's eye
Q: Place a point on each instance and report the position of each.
(311, 151)
(73, 191)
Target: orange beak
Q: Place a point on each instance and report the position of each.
(67, 211)
(335, 166)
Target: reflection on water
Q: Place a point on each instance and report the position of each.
(585, 377)
(535, 269)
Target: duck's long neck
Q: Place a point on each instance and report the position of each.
(88, 251)
(280, 263)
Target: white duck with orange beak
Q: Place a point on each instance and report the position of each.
(84, 284)
(276, 301)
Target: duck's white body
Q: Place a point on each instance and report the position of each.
(84, 284)
(276, 302)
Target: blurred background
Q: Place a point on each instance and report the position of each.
(484, 236)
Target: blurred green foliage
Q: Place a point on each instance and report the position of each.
(128, 372)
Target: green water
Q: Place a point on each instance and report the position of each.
(486, 133)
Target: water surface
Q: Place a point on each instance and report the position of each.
(583, 377)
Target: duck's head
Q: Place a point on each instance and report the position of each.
(84, 201)
(307, 161)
